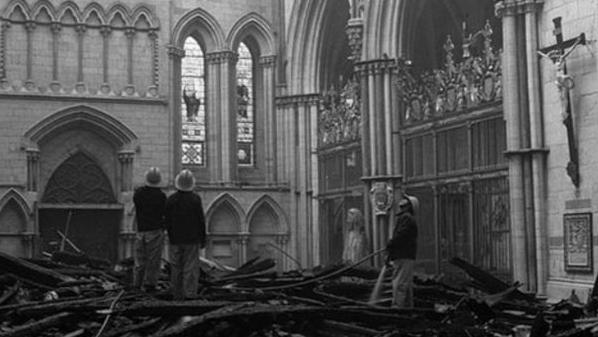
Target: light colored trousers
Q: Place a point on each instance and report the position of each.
(148, 255)
(402, 283)
(184, 270)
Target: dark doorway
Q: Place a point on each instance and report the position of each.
(94, 231)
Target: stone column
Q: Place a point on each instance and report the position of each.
(30, 28)
(32, 169)
(175, 55)
(222, 131)
(106, 31)
(80, 85)
(130, 87)
(56, 28)
(243, 241)
(381, 180)
(126, 170)
(267, 67)
(4, 26)
(509, 11)
(155, 71)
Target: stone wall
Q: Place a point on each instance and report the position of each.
(563, 197)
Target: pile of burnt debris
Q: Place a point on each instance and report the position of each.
(75, 295)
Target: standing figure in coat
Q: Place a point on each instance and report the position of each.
(355, 247)
(401, 250)
(149, 203)
(185, 223)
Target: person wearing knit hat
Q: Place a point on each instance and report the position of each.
(150, 204)
(185, 223)
(401, 250)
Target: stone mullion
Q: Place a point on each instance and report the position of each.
(242, 241)
(175, 55)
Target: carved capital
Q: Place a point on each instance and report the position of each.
(80, 29)
(506, 8)
(32, 155)
(55, 27)
(268, 61)
(130, 33)
(153, 34)
(126, 157)
(175, 52)
(30, 26)
(106, 31)
(5, 25)
(222, 57)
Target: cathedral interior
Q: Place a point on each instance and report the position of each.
(290, 113)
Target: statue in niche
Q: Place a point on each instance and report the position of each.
(192, 103)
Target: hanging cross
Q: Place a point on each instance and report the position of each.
(558, 54)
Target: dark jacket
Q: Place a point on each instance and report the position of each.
(185, 219)
(403, 244)
(149, 208)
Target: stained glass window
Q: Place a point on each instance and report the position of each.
(193, 104)
(245, 107)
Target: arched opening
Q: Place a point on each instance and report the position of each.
(264, 229)
(246, 102)
(78, 203)
(14, 224)
(224, 226)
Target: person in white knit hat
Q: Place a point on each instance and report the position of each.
(150, 204)
(185, 223)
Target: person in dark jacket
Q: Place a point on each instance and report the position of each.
(186, 228)
(401, 250)
(150, 204)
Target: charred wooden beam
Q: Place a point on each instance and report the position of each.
(37, 326)
(30, 272)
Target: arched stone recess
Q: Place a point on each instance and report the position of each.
(202, 26)
(141, 11)
(17, 10)
(120, 143)
(16, 233)
(268, 232)
(226, 238)
(94, 10)
(40, 7)
(256, 27)
(69, 11)
(122, 11)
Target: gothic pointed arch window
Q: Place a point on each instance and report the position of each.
(193, 104)
(245, 107)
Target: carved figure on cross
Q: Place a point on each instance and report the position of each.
(563, 81)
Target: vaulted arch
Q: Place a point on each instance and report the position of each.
(82, 116)
(122, 10)
(255, 26)
(201, 25)
(141, 10)
(225, 215)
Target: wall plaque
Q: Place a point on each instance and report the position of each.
(578, 242)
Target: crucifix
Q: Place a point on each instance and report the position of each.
(558, 54)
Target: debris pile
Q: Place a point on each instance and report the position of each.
(75, 295)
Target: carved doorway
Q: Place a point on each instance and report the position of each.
(80, 194)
